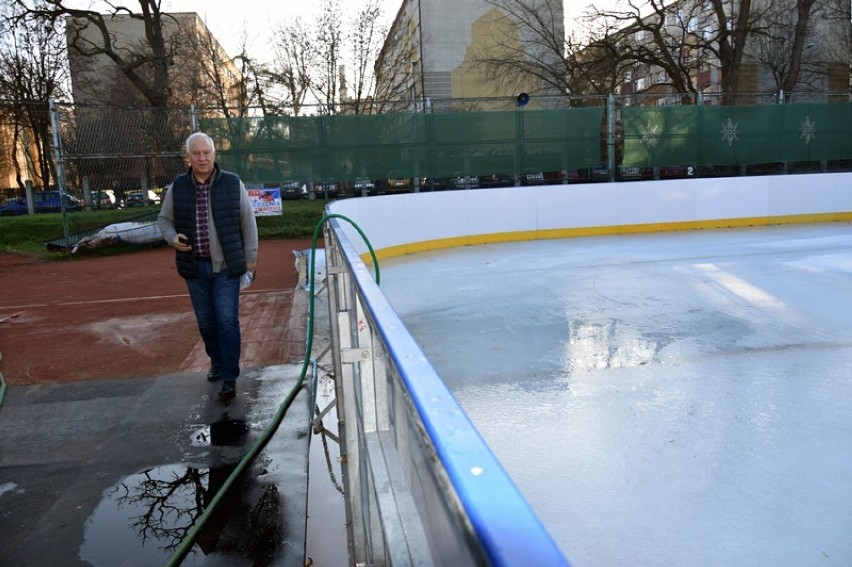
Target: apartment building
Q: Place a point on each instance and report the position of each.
(434, 49)
(19, 156)
(200, 71)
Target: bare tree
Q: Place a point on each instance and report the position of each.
(290, 70)
(531, 47)
(830, 59)
(593, 68)
(782, 48)
(686, 37)
(328, 61)
(801, 28)
(146, 65)
(328, 45)
(652, 35)
(364, 43)
(222, 87)
(210, 78)
(837, 52)
(33, 71)
(267, 91)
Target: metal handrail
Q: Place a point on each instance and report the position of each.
(422, 487)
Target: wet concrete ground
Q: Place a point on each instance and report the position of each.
(114, 472)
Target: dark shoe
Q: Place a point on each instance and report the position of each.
(213, 375)
(227, 390)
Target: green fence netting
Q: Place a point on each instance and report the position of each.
(113, 148)
(736, 135)
(408, 144)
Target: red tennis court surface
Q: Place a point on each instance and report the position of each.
(129, 315)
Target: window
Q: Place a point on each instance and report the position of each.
(639, 35)
(640, 84)
(692, 26)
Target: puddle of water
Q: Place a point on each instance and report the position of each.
(145, 517)
(227, 433)
(230, 432)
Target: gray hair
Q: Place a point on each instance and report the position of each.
(199, 136)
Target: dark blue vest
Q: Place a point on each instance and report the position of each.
(225, 204)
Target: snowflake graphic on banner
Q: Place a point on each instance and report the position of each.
(729, 132)
(808, 130)
(649, 134)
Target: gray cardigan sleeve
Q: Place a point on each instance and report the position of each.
(248, 224)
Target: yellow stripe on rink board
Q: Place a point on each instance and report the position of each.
(579, 232)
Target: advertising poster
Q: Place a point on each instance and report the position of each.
(266, 201)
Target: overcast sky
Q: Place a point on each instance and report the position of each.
(226, 19)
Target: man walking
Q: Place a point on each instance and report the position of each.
(208, 219)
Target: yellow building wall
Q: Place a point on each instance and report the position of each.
(493, 35)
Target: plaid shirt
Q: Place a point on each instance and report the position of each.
(202, 224)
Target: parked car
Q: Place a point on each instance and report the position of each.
(769, 168)
(572, 176)
(718, 171)
(433, 184)
(103, 199)
(599, 173)
(465, 182)
(533, 177)
(13, 207)
(43, 202)
(636, 173)
(293, 190)
(327, 187)
(363, 184)
(397, 182)
(135, 199)
(676, 171)
(497, 180)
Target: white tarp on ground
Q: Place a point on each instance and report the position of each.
(126, 232)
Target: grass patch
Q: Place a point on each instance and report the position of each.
(27, 234)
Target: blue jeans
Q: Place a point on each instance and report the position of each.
(216, 302)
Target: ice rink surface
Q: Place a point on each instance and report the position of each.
(673, 399)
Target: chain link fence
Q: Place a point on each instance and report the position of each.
(120, 153)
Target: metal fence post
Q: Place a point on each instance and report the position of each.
(356, 502)
(610, 135)
(57, 160)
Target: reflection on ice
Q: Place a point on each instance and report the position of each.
(614, 345)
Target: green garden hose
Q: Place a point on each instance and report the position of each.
(187, 543)
(2, 384)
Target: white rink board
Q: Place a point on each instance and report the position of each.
(400, 220)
